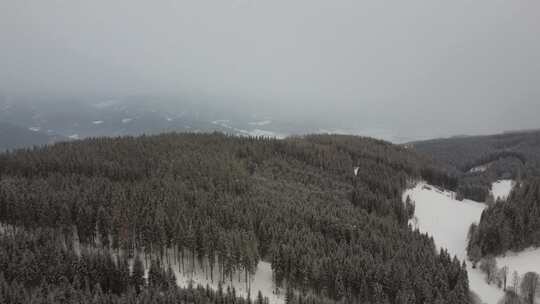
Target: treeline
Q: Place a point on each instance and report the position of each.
(513, 224)
(231, 201)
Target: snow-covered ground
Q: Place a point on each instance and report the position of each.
(438, 213)
(478, 169)
(260, 281)
(501, 188)
(522, 262)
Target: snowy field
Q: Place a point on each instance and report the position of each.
(501, 188)
(438, 213)
(448, 220)
(260, 281)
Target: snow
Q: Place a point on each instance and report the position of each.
(501, 188)
(222, 122)
(478, 169)
(356, 170)
(74, 136)
(126, 120)
(438, 213)
(261, 280)
(263, 133)
(260, 123)
(522, 262)
(34, 129)
(97, 122)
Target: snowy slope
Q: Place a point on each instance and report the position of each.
(448, 220)
(501, 188)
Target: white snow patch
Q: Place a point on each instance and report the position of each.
(356, 170)
(260, 281)
(501, 188)
(478, 169)
(34, 129)
(97, 122)
(438, 213)
(74, 136)
(126, 120)
(260, 123)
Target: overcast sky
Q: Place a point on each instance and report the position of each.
(409, 67)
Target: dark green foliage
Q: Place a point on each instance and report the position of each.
(513, 224)
(293, 202)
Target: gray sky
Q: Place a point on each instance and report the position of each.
(410, 67)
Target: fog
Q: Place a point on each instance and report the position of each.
(412, 68)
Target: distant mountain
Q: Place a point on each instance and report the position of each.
(12, 137)
(466, 152)
(135, 116)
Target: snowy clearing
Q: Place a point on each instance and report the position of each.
(501, 188)
(448, 220)
(438, 213)
(97, 122)
(260, 281)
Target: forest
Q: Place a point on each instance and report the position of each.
(230, 201)
(513, 224)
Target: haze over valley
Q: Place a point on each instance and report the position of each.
(270, 152)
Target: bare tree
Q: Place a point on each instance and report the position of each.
(503, 273)
(489, 267)
(510, 297)
(515, 280)
(530, 286)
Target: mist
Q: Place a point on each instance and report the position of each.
(409, 68)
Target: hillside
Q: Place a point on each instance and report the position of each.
(298, 203)
(481, 160)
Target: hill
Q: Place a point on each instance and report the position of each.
(325, 211)
(481, 160)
